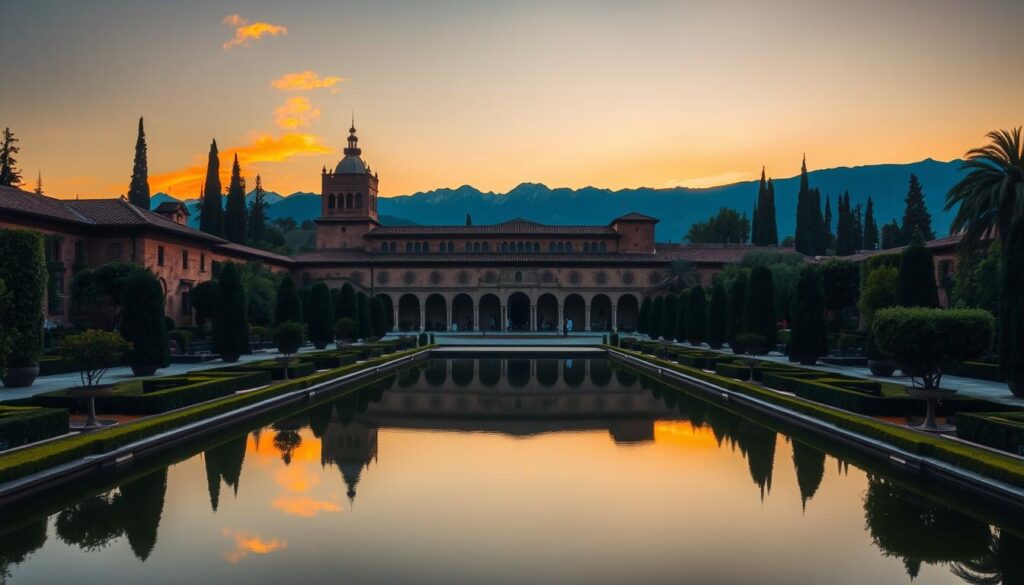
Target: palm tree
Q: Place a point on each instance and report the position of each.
(992, 193)
(682, 275)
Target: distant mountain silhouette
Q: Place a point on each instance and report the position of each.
(677, 208)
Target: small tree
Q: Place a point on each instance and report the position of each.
(378, 316)
(668, 316)
(365, 325)
(717, 316)
(916, 285)
(230, 326)
(95, 352)
(734, 314)
(288, 339)
(807, 341)
(321, 318)
(696, 316)
(840, 283)
(288, 306)
(143, 323)
(347, 305)
(759, 310)
(657, 321)
(347, 329)
(645, 315)
(1011, 313)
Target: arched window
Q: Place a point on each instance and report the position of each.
(604, 247)
(426, 246)
(561, 246)
(416, 247)
(586, 246)
(551, 247)
(331, 201)
(486, 247)
(536, 246)
(476, 246)
(408, 246)
(384, 247)
(451, 246)
(359, 200)
(348, 201)
(443, 247)
(519, 276)
(469, 247)
(504, 246)
(568, 246)
(394, 247)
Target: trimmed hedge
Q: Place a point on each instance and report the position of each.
(1004, 430)
(977, 370)
(56, 364)
(26, 424)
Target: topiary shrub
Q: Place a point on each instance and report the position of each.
(696, 315)
(679, 327)
(734, 314)
(423, 339)
(923, 340)
(262, 334)
(347, 329)
(431, 339)
(321, 316)
(669, 312)
(613, 339)
(807, 341)
(288, 337)
(916, 285)
(288, 306)
(143, 323)
(230, 326)
(365, 324)
(717, 316)
(645, 315)
(657, 321)
(347, 306)
(751, 343)
(378, 316)
(182, 340)
(759, 310)
(23, 268)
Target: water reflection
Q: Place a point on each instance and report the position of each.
(577, 455)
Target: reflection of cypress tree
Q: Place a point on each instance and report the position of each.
(462, 372)
(17, 545)
(212, 478)
(224, 462)
(90, 524)
(696, 409)
(547, 372)
(600, 372)
(408, 377)
(320, 419)
(346, 407)
(810, 469)
(375, 392)
(1003, 562)
(625, 376)
(669, 396)
(723, 425)
(518, 372)
(140, 505)
(758, 445)
(490, 372)
(911, 528)
(436, 373)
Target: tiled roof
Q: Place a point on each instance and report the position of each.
(246, 250)
(17, 201)
(513, 227)
(712, 253)
(937, 244)
(634, 216)
(118, 212)
(168, 206)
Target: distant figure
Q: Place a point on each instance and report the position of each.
(569, 326)
(455, 327)
(508, 325)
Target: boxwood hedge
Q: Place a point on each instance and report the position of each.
(25, 424)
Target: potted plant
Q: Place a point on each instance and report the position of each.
(288, 338)
(95, 351)
(23, 266)
(923, 340)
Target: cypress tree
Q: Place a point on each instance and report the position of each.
(365, 323)
(211, 218)
(668, 316)
(915, 214)
(811, 236)
(858, 228)
(769, 228)
(347, 308)
(759, 309)
(378, 316)
(737, 302)
(10, 176)
(756, 219)
(234, 214)
(696, 311)
(321, 316)
(845, 240)
(916, 286)
(870, 227)
(645, 315)
(820, 233)
(654, 325)
(39, 184)
(230, 326)
(288, 306)
(890, 235)
(138, 189)
(828, 214)
(304, 304)
(717, 312)
(143, 322)
(679, 327)
(1011, 313)
(807, 343)
(755, 238)
(256, 218)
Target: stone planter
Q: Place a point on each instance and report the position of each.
(933, 396)
(21, 377)
(91, 392)
(142, 370)
(883, 368)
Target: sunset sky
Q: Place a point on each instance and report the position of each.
(568, 93)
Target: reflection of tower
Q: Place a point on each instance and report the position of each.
(351, 447)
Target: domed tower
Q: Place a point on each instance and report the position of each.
(348, 207)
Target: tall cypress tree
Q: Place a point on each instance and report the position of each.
(755, 237)
(211, 218)
(347, 307)
(756, 220)
(845, 228)
(656, 322)
(769, 228)
(378, 316)
(138, 189)
(890, 235)
(321, 322)
(807, 343)
(256, 218)
(734, 314)
(230, 324)
(365, 319)
(828, 214)
(915, 214)
(820, 233)
(289, 306)
(858, 227)
(811, 236)
(870, 227)
(717, 314)
(696, 312)
(679, 327)
(645, 315)
(668, 316)
(759, 309)
(143, 322)
(234, 214)
(10, 176)
(915, 286)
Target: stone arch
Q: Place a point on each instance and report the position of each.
(462, 372)
(436, 313)
(489, 316)
(576, 309)
(547, 313)
(409, 313)
(627, 312)
(547, 372)
(331, 201)
(517, 372)
(462, 312)
(348, 201)
(600, 313)
(519, 311)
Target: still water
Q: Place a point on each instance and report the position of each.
(509, 471)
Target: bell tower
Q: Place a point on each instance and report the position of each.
(348, 206)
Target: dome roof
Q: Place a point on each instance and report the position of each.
(351, 165)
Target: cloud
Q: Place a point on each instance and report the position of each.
(304, 507)
(297, 112)
(251, 544)
(307, 81)
(246, 32)
(263, 148)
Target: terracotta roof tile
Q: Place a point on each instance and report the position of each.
(18, 201)
(936, 244)
(513, 227)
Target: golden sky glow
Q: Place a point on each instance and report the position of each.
(565, 92)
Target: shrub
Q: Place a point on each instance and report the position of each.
(347, 329)
(261, 333)
(916, 286)
(759, 310)
(95, 352)
(696, 315)
(1011, 313)
(288, 337)
(20, 425)
(142, 321)
(347, 306)
(321, 316)
(645, 315)
(669, 314)
(431, 339)
(717, 316)
(679, 327)
(203, 298)
(182, 339)
(23, 267)
(657, 320)
(734, 314)
(999, 430)
(924, 340)
(423, 339)
(840, 283)
(613, 339)
(752, 343)
(230, 326)
(807, 342)
(365, 326)
(378, 316)
(288, 306)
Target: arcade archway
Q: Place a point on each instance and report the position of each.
(519, 312)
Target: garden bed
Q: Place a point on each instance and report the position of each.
(20, 425)
(1000, 430)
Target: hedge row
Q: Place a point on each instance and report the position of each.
(995, 465)
(978, 370)
(25, 424)
(56, 364)
(34, 459)
(1004, 430)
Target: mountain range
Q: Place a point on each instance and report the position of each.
(677, 207)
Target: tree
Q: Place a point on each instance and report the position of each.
(657, 319)
(828, 215)
(916, 284)
(728, 227)
(39, 185)
(138, 188)
(696, 316)
(858, 227)
(1011, 310)
(991, 194)
(95, 352)
(365, 320)
(878, 293)
(10, 176)
(347, 329)
(807, 343)
(977, 283)
(256, 218)
(469, 220)
(890, 235)
(679, 327)
(717, 314)
(645, 315)
(321, 316)
(234, 214)
(230, 325)
(759, 309)
(211, 218)
(378, 316)
(288, 306)
(915, 214)
(203, 298)
(682, 274)
(811, 233)
(870, 227)
(347, 306)
(845, 239)
(840, 283)
(288, 339)
(23, 266)
(668, 316)
(737, 302)
(144, 324)
(260, 292)
(755, 220)
(769, 230)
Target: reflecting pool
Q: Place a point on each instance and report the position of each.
(510, 471)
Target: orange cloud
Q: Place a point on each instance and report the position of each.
(251, 544)
(307, 81)
(297, 112)
(185, 182)
(304, 507)
(246, 32)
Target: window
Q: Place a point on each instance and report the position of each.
(504, 246)
(330, 201)
(469, 247)
(359, 200)
(416, 247)
(408, 246)
(426, 246)
(536, 246)
(476, 246)
(394, 247)
(561, 246)
(586, 246)
(486, 247)
(519, 276)
(202, 262)
(568, 246)
(186, 307)
(383, 246)
(184, 259)
(451, 246)
(603, 247)
(551, 247)
(519, 247)
(159, 255)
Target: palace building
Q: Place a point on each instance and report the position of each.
(518, 274)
